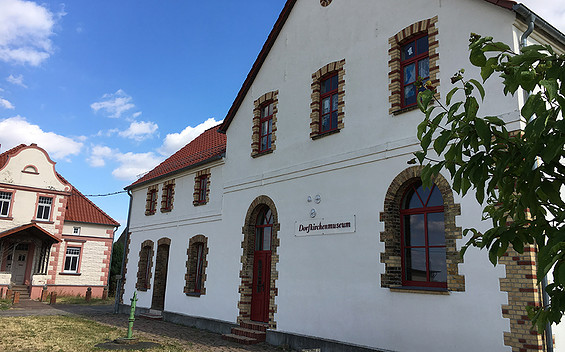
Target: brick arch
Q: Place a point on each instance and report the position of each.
(191, 265)
(144, 265)
(164, 240)
(391, 257)
(396, 41)
(248, 245)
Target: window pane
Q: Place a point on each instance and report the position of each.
(270, 129)
(438, 266)
(334, 120)
(326, 105)
(424, 68)
(265, 128)
(334, 101)
(325, 122)
(325, 86)
(436, 199)
(258, 238)
(409, 73)
(270, 107)
(4, 208)
(436, 229)
(414, 234)
(424, 193)
(409, 95)
(422, 45)
(334, 82)
(416, 264)
(266, 239)
(264, 143)
(67, 263)
(408, 51)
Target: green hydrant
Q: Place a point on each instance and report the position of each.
(132, 315)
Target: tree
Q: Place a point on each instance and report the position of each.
(517, 176)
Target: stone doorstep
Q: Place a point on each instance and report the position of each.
(240, 339)
(255, 334)
(253, 325)
(153, 314)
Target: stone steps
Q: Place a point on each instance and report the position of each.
(248, 333)
(152, 315)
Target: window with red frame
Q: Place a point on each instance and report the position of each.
(266, 123)
(152, 201)
(414, 63)
(328, 103)
(423, 237)
(168, 203)
(203, 189)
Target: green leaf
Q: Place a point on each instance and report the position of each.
(441, 142)
(488, 69)
(479, 87)
(530, 106)
(424, 98)
(496, 46)
(483, 131)
(426, 140)
(477, 57)
(450, 95)
(551, 88)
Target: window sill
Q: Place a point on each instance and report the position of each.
(149, 214)
(143, 289)
(6, 218)
(42, 221)
(258, 154)
(421, 290)
(324, 134)
(166, 210)
(406, 109)
(193, 294)
(196, 204)
(70, 274)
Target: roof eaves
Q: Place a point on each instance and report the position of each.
(257, 64)
(174, 172)
(524, 13)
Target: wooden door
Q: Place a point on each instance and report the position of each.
(261, 286)
(160, 281)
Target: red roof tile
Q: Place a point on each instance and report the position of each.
(81, 209)
(208, 146)
(4, 156)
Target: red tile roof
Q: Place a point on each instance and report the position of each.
(34, 228)
(508, 4)
(208, 146)
(79, 208)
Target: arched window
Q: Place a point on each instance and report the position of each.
(196, 266)
(423, 245)
(144, 266)
(263, 230)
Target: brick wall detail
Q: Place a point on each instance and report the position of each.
(149, 208)
(144, 266)
(168, 184)
(333, 67)
(423, 27)
(391, 257)
(191, 265)
(199, 174)
(246, 273)
(521, 285)
(271, 97)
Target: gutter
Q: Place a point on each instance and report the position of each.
(525, 14)
(119, 293)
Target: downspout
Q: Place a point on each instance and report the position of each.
(119, 292)
(545, 297)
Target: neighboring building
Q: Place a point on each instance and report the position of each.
(309, 219)
(50, 234)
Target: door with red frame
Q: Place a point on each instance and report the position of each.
(262, 267)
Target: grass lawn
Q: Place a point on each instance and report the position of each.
(81, 300)
(60, 334)
(5, 304)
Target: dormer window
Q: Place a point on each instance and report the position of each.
(76, 230)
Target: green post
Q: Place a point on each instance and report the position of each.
(132, 315)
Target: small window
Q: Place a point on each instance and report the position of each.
(44, 208)
(30, 169)
(5, 201)
(168, 196)
(196, 266)
(151, 201)
(76, 230)
(414, 63)
(328, 104)
(72, 258)
(202, 187)
(266, 127)
(144, 266)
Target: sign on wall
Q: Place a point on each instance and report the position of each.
(317, 227)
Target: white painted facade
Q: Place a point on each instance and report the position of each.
(329, 285)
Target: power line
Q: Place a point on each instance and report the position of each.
(105, 195)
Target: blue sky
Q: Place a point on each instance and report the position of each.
(111, 88)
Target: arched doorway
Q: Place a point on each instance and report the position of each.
(161, 268)
(259, 260)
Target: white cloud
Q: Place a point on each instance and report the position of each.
(132, 165)
(25, 32)
(17, 130)
(98, 155)
(114, 105)
(553, 11)
(140, 130)
(175, 141)
(6, 104)
(17, 80)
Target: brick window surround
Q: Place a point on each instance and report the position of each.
(168, 196)
(151, 200)
(418, 29)
(391, 236)
(265, 99)
(144, 266)
(194, 268)
(333, 68)
(248, 245)
(201, 196)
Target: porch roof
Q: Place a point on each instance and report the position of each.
(33, 229)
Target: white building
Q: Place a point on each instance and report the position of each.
(51, 236)
(309, 218)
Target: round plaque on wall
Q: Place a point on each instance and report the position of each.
(325, 3)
